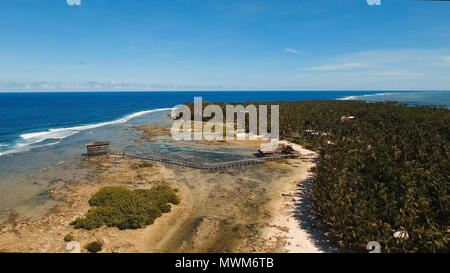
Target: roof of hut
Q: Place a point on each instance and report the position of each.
(97, 143)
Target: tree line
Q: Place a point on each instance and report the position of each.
(382, 174)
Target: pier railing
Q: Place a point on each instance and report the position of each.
(214, 166)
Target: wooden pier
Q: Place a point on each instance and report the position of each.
(213, 166)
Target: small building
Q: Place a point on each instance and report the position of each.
(280, 149)
(346, 118)
(97, 148)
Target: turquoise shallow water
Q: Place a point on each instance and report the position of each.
(26, 177)
(412, 98)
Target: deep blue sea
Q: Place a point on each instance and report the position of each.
(30, 120)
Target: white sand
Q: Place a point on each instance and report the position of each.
(287, 223)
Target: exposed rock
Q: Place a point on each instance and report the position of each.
(206, 228)
(55, 193)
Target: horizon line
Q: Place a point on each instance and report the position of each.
(161, 91)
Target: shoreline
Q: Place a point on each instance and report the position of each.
(281, 232)
(293, 222)
(25, 140)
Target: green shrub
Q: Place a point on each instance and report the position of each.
(160, 195)
(126, 209)
(90, 221)
(145, 164)
(94, 247)
(69, 238)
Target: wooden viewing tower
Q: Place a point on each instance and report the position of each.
(98, 148)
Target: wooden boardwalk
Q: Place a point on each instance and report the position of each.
(213, 166)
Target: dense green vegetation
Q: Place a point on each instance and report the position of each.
(145, 164)
(385, 170)
(126, 209)
(94, 247)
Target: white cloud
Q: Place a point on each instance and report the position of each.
(398, 73)
(291, 50)
(396, 69)
(329, 67)
(97, 86)
(62, 86)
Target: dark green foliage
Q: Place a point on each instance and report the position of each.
(69, 238)
(387, 169)
(126, 209)
(161, 194)
(94, 247)
(145, 164)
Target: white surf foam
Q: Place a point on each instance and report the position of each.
(61, 133)
(365, 97)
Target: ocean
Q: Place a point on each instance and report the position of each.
(33, 120)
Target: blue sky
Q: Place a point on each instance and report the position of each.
(47, 45)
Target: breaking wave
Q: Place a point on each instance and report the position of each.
(365, 97)
(47, 138)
